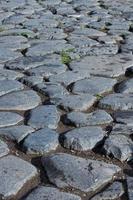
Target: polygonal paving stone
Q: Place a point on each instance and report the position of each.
(50, 193)
(126, 87)
(4, 150)
(16, 133)
(32, 80)
(124, 117)
(75, 102)
(7, 54)
(48, 70)
(113, 192)
(9, 75)
(97, 117)
(68, 77)
(52, 90)
(7, 86)
(17, 177)
(41, 141)
(83, 139)
(44, 116)
(117, 102)
(94, 85)
(120, 146)
(9, 119)
(48, 47)
(106, 66)
(74, 172)
(19, 100)
(130, 187)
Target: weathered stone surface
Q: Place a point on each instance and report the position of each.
(122, 129)
(9, 119)
(117, 102)
(124, 117)
(15, 174)
(7, 54)
(19, 100)
(50, 193)
(97, 117)
(41, 141)
(94, 85)
(44, 116)
(69, 77)
(16, 133)
(4, 150)
(7, 86)
(52, 90)
(126, 87)
(106, 66)
(75, 102)
(83, 139)
(78, 173)
(120, 146)
(9, 75)
(115, 191)
(130, 186)
(32, 80)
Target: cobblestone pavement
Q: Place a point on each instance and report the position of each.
(66, 100)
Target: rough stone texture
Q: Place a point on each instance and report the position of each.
(94, 85)
(41, 141)
(75, 102)
(14, 175)
(120, 146)
(9, 119)
(19, 100)
(130, 186)
(124, 117)
(50, 193)
(4, 150)
(83, 139)
(9, 75)
(44, 116)
(16, 133)
(115, 191)
(97, 117)
(117, 102)
(78, 173)
(7, 86)
(126, 87)
(122, 129)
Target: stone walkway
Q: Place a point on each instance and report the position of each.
(66, 100)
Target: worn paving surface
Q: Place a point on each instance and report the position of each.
(66, 100)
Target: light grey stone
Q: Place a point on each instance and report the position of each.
(68, 77)
(85, 175)
(117, 102)
(115, 191)
(107, 66)
(4, 150)
(7, 55)
(44, 116)
(94, 85)
(52, 90)
(41, 141)
(16, 133)
(75, 102)
(19, 100)
(9, 75)
(32, 80)
(9, 119)
(126, 87)
(7, 86)
(122, 129)
(83, 139)
(50, 193)
(79, 119)
(48, 47)
(15, 173)
(120, 146)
